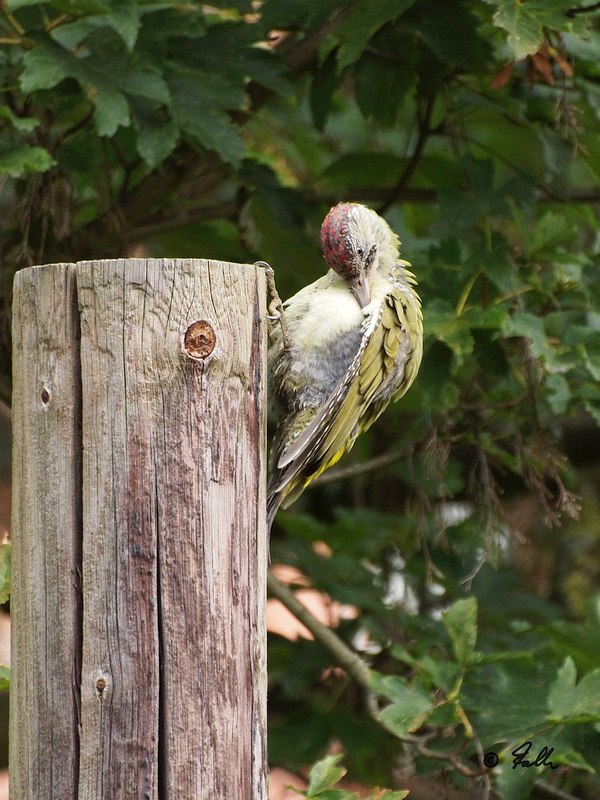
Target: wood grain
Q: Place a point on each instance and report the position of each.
(46, 525)
(172, 532)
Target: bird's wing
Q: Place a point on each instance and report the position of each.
(375, 373)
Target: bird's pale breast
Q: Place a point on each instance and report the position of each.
(322, 312)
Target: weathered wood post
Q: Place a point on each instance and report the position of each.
(139, 532)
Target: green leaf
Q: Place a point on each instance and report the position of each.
(443, 673)
(513, 141)
(77, 7)
(267, 69)
(515, 784)
(525, 31)
(559, 392)
(363, 169)
(510, 698)
(104, 79)
(531, 327)
(214, 131)
(200, 91)
(124, 17)
(495, 658)
(410, 706)
(4, 677)
(147, 83)
(111, 67)
(460, 620)
(564, 684)
(463, 207)
(571, 703)
(525, 22)
(5, 571)
(445, 27)
(161, 25)
(572, 758)
(581, 642)
(550, 231)
(283, 14)
(155, 141)
(444, 325)
(46, 65)
(381, 85)
(322, 88)
(408, 716)
(197, 102)
(23, 160)
(324, 774)
(112, 109)
(82, 7)
(478, 318)
(206, 90)
(21, 124)
(363, 20)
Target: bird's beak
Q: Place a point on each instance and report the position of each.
(359, 287)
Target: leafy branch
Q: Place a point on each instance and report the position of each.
(361, 673)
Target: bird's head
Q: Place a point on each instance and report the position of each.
(356, 241)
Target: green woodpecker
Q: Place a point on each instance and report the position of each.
(349, 344)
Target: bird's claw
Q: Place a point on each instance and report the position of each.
(275, 306)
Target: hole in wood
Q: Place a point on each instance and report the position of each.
(45, 396)
(200, 339)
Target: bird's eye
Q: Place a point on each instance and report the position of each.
(360, 251)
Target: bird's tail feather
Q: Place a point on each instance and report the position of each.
(273, 501)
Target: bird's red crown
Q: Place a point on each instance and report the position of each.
(334, 239)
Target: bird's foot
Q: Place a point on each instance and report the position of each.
(275, 306)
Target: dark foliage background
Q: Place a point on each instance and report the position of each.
(226, 130)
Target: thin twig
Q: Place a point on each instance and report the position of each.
(353, 664)
(77, 126)
(551, 790)
(184, 219)
(424, 125)
(56, 22)
(13, 22)
(573, 12)
(360, 468)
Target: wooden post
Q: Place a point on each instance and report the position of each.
(139, 532)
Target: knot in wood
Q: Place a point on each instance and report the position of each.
(199, 340)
